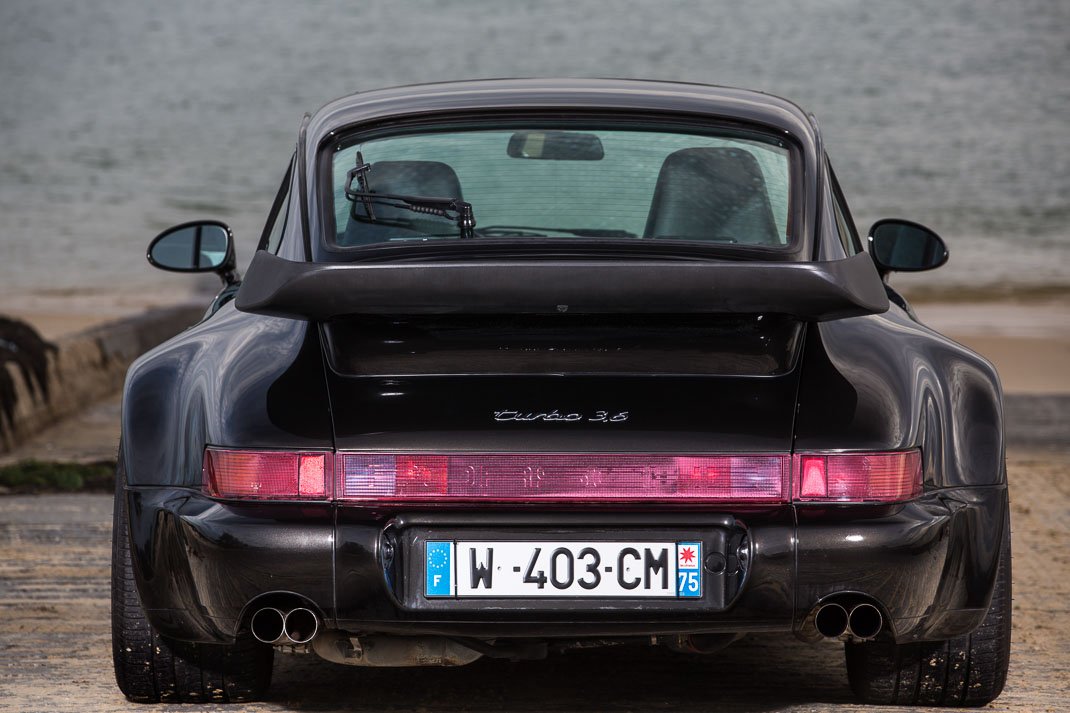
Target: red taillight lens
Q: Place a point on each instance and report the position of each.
(572, 478)
(267, 475)
(858, 477)
(579, 478)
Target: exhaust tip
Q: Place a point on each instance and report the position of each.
(267, 625)
(301, 625)
(831, 621)
(865, 621)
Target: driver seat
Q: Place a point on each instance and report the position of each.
(412, 178)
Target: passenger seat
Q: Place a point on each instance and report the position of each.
(712, 194)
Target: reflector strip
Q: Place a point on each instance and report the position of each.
(540, 477)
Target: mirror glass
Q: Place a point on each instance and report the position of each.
(196, 247)
(556, 146)
(905, 246)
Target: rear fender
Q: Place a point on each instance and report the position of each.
(885, 382)
(236, 380)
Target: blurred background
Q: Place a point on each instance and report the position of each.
(119, 119)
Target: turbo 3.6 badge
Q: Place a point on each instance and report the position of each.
(564, 416)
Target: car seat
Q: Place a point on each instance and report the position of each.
(715, 194)
(412, 178)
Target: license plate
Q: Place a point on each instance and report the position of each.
(563, 569)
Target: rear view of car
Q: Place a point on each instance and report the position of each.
(529, 365)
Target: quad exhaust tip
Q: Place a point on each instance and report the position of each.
(278, 628)
(831, 620)
(863, 621)
(301, 625)
(267, 625)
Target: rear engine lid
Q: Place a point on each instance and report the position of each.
(564, 383)
(564, 344)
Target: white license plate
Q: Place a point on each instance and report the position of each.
(563, 569)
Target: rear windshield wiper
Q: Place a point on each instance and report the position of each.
(530, 231)
(454, 209)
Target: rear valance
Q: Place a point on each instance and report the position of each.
(814, 291)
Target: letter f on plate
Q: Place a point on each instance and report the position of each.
(439, 570)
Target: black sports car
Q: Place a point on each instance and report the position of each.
(525, 365)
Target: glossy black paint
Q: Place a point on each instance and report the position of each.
(428, 345)
(866, 382)
(206, 561)
(229, 380)
(814, 290)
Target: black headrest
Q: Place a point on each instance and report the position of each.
(711, 193)
(412, 178)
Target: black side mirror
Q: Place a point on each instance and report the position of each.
(201, 246)
(903, 246)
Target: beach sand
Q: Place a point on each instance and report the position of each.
(1028, 340)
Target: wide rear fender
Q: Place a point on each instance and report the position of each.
(235, 379)
(885, 382)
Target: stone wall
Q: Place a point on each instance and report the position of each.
(83, 368)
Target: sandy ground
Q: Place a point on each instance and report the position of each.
(55, 640)
(56, 312)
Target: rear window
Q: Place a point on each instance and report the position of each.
(584, 183)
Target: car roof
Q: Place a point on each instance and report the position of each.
(580, 94)
(621, 95)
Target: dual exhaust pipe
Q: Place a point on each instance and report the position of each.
(863, 621)
(300, 626)
(278, 628)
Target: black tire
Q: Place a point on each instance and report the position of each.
(152, 669)
(967, 671)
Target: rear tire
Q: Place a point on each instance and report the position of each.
(967, 671)
(152, 669)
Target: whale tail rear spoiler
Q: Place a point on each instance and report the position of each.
(811, 291)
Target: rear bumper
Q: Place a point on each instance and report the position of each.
(199, 563)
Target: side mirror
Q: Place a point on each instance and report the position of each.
(903, 246)
(201, 246)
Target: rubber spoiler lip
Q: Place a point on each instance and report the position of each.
(811, 291)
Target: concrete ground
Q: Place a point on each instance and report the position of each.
(55, 644)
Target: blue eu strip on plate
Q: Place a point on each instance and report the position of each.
(439, 569)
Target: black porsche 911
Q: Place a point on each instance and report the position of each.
(526, 365)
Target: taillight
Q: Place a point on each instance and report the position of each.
(575, 478)
(858, 477)
(268, 475)
(563, 478)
